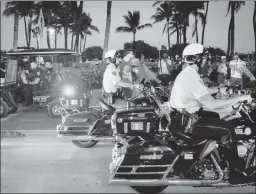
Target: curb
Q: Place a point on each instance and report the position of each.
(11, 134)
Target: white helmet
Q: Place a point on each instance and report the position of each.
(192, 50)
(110, 54)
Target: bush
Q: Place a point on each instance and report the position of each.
(89, 74)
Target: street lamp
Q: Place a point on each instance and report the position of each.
(51, 31)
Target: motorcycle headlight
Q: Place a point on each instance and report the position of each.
(68, 91)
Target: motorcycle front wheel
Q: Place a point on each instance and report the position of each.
(4, 109)
(150, 189)
(85, 144)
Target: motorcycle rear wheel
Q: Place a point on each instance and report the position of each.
(85, 144)
(150, 189)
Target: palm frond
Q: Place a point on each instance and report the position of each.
(175, 30)
(157, 3)
(148, 25)
(123, 29)
(165, 26)
(194, 30)
(202, 17)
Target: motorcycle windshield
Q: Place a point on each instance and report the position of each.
(11, 72)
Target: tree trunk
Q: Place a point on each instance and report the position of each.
(168, 33)
(229, 30)
(81, 40)
(133, 43)
(77, 43)
(16, 31)
(107, 30)
(178, 34)
(196, 21)
(48, 39)
(29, 30)
(66, 37)
(206, 13)
(26, 31)
(184, 34)
(0, 30)
(232, 35)
(37, 43)
(254, 24)
(85, 37)
(55, 38)
(72, 42)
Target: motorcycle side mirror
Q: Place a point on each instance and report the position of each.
(143, 81)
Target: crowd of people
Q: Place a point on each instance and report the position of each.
(34, 75)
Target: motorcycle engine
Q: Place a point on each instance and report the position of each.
(204, 169)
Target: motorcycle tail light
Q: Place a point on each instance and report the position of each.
(113, 123)
(151, 157)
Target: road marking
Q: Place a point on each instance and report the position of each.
(10, 116)
(30, 120)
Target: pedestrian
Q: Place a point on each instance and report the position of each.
(224, 71)
(164, 67)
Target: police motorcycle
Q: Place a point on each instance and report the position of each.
(42, 97)
(87, 128)
(187, 153)
(8, 105)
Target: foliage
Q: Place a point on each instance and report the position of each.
(177, 49)
(143, 48)
(89, 74)
(215, 51)
(94, 52)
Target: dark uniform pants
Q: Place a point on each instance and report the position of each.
(28, 94)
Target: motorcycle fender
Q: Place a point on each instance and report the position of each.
(101, 127)
(208, 148)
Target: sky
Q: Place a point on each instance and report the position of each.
(216, 32)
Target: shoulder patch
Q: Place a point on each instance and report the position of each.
(113, 72)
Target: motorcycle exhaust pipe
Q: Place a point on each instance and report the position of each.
(94, 138)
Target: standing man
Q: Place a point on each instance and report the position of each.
(164, 66)
(224, 71)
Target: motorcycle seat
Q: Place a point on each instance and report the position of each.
(210, 129)
(106, 106)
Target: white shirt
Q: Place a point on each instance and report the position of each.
(110, 78)
(187, 89)
(235, 65)
(163, 66)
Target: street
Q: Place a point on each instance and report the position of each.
(39, 163)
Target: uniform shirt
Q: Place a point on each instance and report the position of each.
(110, 78)
(187, 89)
(235, 66)
(38, 73)
(163, 66)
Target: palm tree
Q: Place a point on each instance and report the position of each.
(63, 19)
(164, 12)
(133, 24)
(49, 8)
(233, 6)
(254, 23)
(88, 27)
(176, 24)
(197, 5)
(12, 9)
(0, 30)
(107, 30)
(36, 32)
(205, 21)
(185, 9)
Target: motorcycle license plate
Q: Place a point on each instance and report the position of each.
(137, 126)
(40, 98)
(74, 102)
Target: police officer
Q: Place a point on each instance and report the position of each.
(190, 93)
(32, 81)
(112, 82)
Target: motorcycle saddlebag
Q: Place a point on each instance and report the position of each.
(137, 121)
